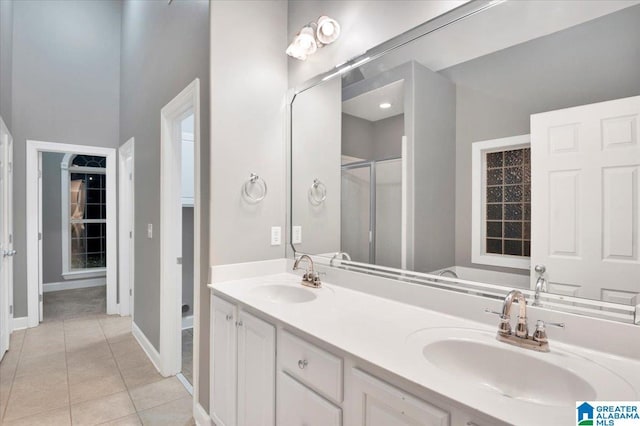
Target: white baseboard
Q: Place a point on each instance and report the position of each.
(19, 323)
(146, 345)
(187, 322)
(200, 415)
(74, 284)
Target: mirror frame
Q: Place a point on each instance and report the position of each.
(570, 304)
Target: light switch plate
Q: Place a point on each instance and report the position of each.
(149, 230)
(296, 234)
(276, 235)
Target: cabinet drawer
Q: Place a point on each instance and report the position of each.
(313, 366)
(299, 405)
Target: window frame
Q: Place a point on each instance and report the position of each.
(65, 184)
(479, 150)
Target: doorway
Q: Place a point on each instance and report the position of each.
(180, 245)
(87, 182)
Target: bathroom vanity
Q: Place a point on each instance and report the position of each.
(284, 354)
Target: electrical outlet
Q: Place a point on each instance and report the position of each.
(276, 235)
(149, 230)
(296, 234)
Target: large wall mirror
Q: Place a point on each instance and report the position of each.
(502, 148)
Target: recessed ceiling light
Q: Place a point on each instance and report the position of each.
(385, 105)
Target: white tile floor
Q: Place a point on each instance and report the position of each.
(86, 371)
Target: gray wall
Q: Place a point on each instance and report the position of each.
(316, 153)
(65, 88)
(187, 259)
(247, 118)
(497, 93)
(372, 140)
(51, 218)
(165, 47)
(434, 178)
(6, 44)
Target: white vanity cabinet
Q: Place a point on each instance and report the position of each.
(373, 402)
(243, 367)
(309, 383)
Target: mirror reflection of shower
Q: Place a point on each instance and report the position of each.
(373, 187)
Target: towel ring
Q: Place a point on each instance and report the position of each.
(254, 179)
(317, 192)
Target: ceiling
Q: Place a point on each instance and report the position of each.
(367, 105)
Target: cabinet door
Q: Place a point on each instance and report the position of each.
(376, 403)
(256, 371)
(223, 362)
(299, 405)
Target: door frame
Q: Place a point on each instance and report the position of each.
(126, 228)
(171, 115)
(34, 256)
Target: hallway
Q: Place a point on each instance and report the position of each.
(86, 371)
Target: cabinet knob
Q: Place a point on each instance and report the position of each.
(239, 323)
(229, 317)
(302, 364)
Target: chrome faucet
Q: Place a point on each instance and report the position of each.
(341, 255)
(310, 277)
(448, 271)
(537, 342)
(541, 284)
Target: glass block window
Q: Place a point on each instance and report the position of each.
(87, 213)
(508, 202)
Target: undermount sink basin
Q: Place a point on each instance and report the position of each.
(556, 378)
(279, 293)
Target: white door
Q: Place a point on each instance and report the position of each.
(126, 233)
(6, 236)
(256, 371)
(223, 362)
(373, 402)
(40, 254)
(586, 199)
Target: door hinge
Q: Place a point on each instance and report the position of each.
(179, 259)
(10, 238)
(40, 298)
(10, 309)
(130, 176)
(39, 236)
(130, 234)
(10, 167)
(39, 173)
(130, 292)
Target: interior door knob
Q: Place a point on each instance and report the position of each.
(7, 253)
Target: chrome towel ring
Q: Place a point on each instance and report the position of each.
(317, 192)
(254, 179)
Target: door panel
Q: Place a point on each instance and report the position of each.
(6, 236)
(586, 199)
(256, 371)
(223, 362)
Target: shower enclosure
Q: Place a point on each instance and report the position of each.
(372, 219)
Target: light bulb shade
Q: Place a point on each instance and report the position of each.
(306, 41)
(328, 30)
(294, 51)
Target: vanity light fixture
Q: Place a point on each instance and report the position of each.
(385, 105)
(312, 36)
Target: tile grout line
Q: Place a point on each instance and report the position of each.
(66, 366)
(13, 379)
(120, 371)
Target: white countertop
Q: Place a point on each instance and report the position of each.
(377, 330)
